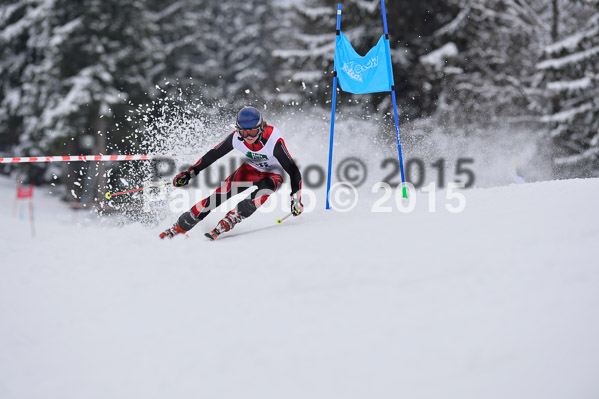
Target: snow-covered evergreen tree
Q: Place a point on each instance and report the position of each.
(246, 54)
(69, 67)
(221, 48)
(484, 62)
(484, 59)
(28, 66)
(185, 28)
(569, 78)
(70, 63)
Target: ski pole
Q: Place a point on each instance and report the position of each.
(279, 221)
(110, 195)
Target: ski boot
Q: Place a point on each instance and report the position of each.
(228, 222)
(173, 231)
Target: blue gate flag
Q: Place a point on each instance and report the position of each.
(361, 75)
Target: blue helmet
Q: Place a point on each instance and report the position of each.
(248, 118)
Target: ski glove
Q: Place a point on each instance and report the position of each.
(183, 178)
(296, 204)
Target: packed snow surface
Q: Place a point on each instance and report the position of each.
(498, 301)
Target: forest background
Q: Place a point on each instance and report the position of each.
(89, 77)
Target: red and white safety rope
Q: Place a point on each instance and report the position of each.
(85, 158)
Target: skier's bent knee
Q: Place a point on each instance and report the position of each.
(188, 220)
(246, 208)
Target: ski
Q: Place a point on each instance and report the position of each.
(213, 235)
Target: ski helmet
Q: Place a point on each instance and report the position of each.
(248, 118)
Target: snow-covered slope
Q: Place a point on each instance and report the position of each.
(498, 301)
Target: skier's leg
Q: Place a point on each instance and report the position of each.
(266, 187)
(231, 186)
(245, 208)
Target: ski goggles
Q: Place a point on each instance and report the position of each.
(249, 132)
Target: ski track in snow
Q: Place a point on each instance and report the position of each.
(498, 301)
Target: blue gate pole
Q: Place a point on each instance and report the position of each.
(390, 72)
(333, 110)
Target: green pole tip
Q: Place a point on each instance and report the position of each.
(405, 192)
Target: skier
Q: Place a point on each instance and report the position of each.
(266, 158)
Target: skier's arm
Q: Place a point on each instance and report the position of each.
(221, 149)
(280, 152)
